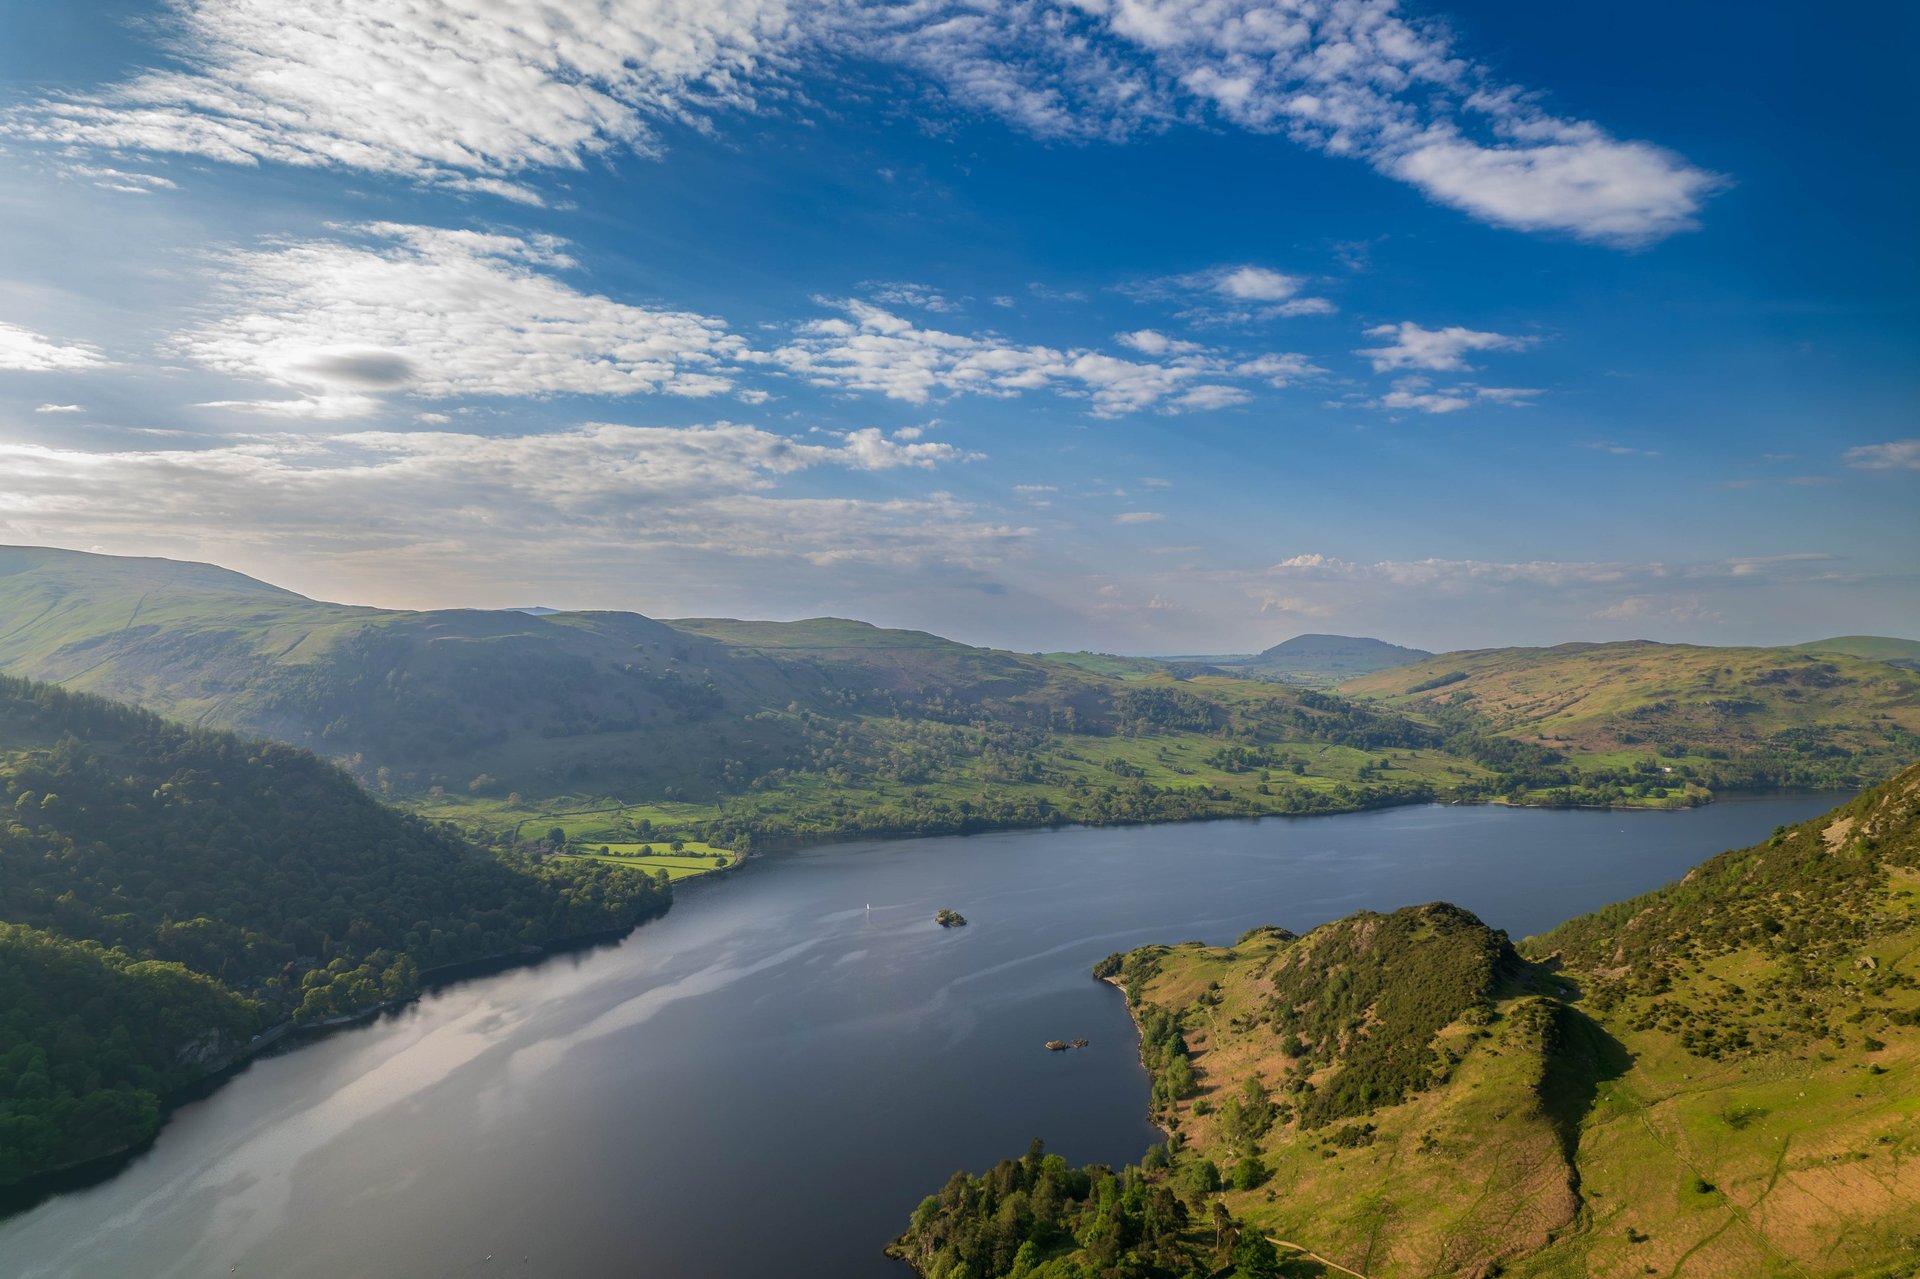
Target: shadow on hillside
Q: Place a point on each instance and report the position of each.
(1584, 1057)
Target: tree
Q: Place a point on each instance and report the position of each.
(1254, 1256)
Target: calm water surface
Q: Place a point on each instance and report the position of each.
(767, 1081)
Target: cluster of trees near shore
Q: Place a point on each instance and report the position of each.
(1039, 1218)
(166, 893)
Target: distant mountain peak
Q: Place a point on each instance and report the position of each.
(1343, 646)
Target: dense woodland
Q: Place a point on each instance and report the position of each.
(1038, 1218)
(168, 892)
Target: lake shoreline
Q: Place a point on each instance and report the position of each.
(285, 1037)
(792, 960)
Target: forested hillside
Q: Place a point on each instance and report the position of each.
(166, 893)
(754, 728)
(1714, 1079)
(730, 732)
(1593, 721)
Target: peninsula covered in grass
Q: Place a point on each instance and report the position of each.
(1716, 1078)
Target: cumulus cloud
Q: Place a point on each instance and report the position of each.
(868, 348)
(435, 313)
(1895, 455)
(24, 351)
(61, 408)
(1138, 517)
(474, 94)
(1414, 347)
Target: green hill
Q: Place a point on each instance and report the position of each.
(167, 893)
(1715, 1079)
(722, 729)
(1875, 648)
(1316, 661)
(1640, 715)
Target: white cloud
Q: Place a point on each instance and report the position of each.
(1410, 397)
(1420, 395)
(1645, 578)
(1278, 370)
(871, 451)
(1770, 565)
(1551, 175)
(466, 92)
(1895, 455)
(437, 313)
(1244, 294)
(902, 293)
(455, 496)
(1257, 284)
(1211, 396)
(1352, 79)
(1414, 347)
(110, 179)
(1684, 608)
(473, 94)
(1138, 517)
(875, 350)
(24, 351)
(61, 408)
(1153, 342)
(1518, 397)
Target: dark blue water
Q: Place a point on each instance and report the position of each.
(768, 1080)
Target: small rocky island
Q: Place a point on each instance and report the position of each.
(949, 919)
(1061, 1045)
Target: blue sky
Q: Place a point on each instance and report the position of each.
(1137, 325)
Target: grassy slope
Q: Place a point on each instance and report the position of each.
(1606, 704)
(1876, 648)
(1718, 1079)
(818, 726)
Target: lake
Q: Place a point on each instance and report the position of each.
(766, 1081)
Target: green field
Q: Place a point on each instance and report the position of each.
(697, 859)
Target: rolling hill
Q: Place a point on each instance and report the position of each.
(734, 729)
(1718, 717)
(1714, 1079)
(167, 893)
(1875, 648)
(1316, 661)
